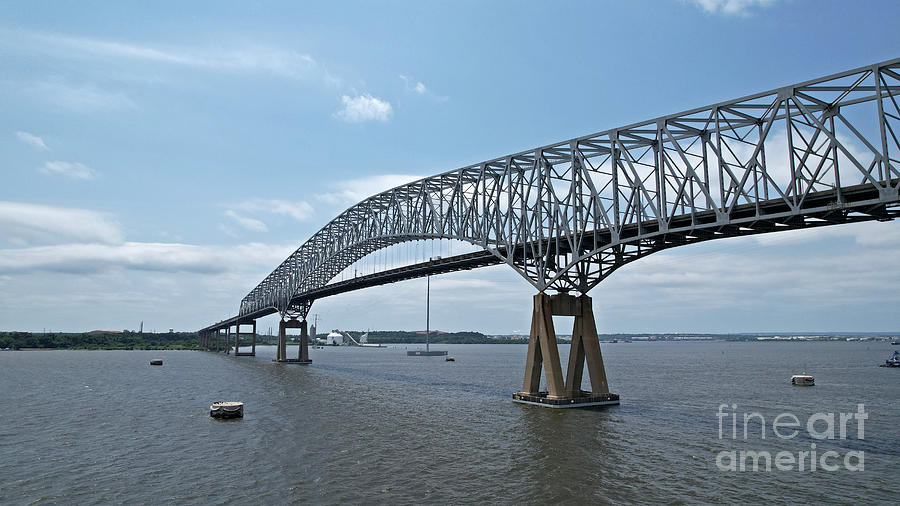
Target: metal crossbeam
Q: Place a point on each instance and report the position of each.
(566, 215)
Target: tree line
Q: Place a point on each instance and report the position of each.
(100, 340)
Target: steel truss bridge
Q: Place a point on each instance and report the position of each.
(567, 215)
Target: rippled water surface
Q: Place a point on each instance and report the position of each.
(376, 426)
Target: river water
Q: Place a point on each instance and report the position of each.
(375, 426)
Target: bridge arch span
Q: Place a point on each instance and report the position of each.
(566, 215)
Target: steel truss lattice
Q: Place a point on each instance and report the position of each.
(566, 215)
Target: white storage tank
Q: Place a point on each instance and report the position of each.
(334, 338)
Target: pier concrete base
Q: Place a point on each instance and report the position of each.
(281, 350)
(584, 400)
(544, 354)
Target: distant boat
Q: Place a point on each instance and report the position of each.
(428, 352)
(802, 380)
(895, 343)
(227, 409)
(894, 361)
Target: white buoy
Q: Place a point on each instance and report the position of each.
(227, 409)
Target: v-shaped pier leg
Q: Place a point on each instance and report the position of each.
(542, 351)
(543, 354)
(585, 347)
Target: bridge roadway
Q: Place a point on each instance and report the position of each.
(820, 209)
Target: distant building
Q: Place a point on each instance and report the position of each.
(334, 337)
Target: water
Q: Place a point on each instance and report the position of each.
(376, 426)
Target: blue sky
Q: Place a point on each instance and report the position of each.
(159, 159)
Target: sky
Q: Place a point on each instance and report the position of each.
(159, 159)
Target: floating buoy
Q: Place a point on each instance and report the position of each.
(449, 359)
(156, 361)
(228, 409)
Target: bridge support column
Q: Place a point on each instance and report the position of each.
(227, 339)
(281, 348)
(303, 353)
(544, 354)
(237, 339)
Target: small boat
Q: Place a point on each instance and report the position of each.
(894, 361)
(156, 361)
(895, 343)
(802, 380)
(227, 409)
(449, 359)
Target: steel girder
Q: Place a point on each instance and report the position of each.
(566, 215)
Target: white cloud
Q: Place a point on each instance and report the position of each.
(419, 88)
(276, 61)
(736, 285)
(73, 170)
(82, 98)
(247, 222)
(352, 191)
(364, 108)
(299, 211)
(870, 233)
(731, 7)
(30, 223)
(141, 256)
(32, 140)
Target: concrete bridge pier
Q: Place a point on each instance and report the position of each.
(281, 347)
(543, 353)
(237, 339)
(303, 352)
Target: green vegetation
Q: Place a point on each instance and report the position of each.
(402, 337)
(100, 340)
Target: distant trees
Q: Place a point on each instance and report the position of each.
(401, 337)
(100, 340)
